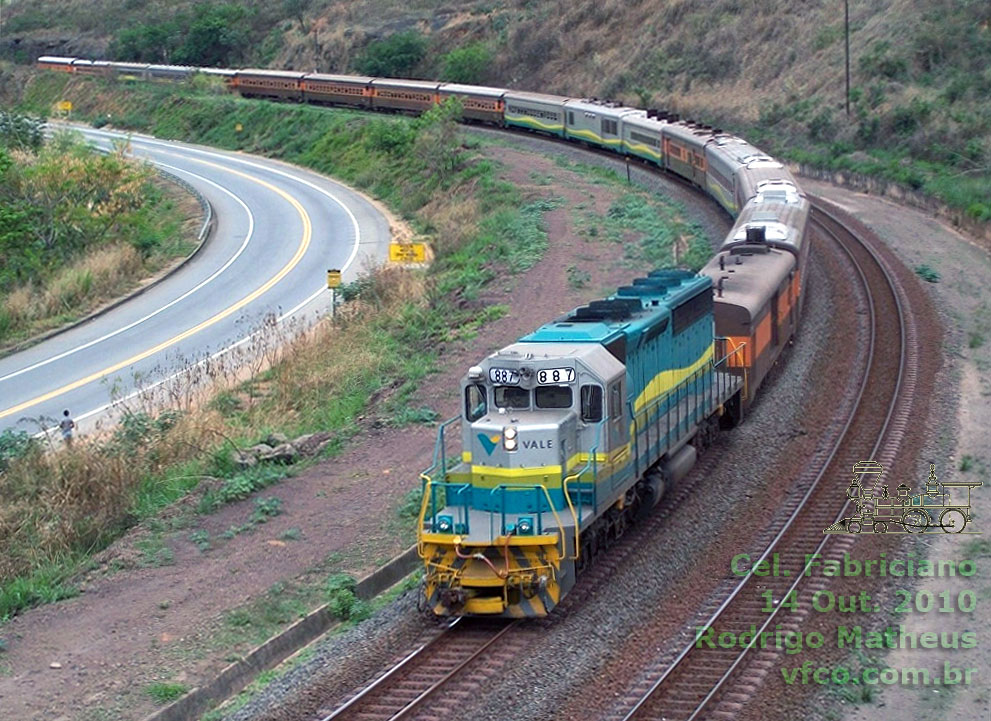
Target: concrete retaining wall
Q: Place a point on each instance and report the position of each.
(278, 648)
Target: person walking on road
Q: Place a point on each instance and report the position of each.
(66, 426)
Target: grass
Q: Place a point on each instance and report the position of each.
(163, 692)
(312, 381)
(80, 228)
(927, 273)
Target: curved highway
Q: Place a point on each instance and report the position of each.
(277, 230)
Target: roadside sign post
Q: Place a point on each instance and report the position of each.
(407, 252)
(333, 283)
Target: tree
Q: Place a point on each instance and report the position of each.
(438, 141)
(396, 56)
(216, 35)
(297, 9)
(468, 64)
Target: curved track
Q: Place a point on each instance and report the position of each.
(403, 690)
(698, 681)
(278, 230)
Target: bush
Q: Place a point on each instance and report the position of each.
(397, 56)
(13, 445)
(340, 595)
(927, 273)
(466, 65)
(21, 132)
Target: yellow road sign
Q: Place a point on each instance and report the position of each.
(65, 106)
(408, 252)
(333, 278)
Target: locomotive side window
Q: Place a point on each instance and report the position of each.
(591, 403)
(571, 117)
(475, 402)
(553, 396)
(512, 397)
(615, 402)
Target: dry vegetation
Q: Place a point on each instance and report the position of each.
(78, 228)
(62, 501)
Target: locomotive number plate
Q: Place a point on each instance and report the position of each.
(504, 376)
(554, 376)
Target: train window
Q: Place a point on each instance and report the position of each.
(615, 403)
(609, 127)
(571, 117)
(591, 403)
(512, 397)
(475, 402)
(553, 396)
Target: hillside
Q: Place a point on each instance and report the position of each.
(773, 70)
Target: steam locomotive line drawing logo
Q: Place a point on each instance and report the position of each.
(940, 508)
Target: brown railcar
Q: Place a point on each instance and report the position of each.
(324, 89)
(479, 103)
(404, 95)
(269, 84)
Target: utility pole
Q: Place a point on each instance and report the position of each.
(846, 24)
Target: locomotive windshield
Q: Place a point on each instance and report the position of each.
(553, 397)
(512, 397)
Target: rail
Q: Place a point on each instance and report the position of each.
(803, 505)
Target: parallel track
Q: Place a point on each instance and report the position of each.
(700, 681)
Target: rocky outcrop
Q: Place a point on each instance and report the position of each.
(277, 448)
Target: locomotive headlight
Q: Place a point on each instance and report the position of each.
(509, 432)
(509, 440)
(445, 524)
(524, 526)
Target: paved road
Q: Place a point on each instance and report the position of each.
(278, 229)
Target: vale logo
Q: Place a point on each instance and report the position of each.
(489, 443)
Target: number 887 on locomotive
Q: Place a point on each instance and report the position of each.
(566, 437)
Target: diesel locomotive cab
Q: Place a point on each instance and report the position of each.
(499, 530)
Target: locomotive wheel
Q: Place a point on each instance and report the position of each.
(880, 527)
(854, 527)
(952, 520)
(916, 521)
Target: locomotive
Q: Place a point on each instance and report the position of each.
(570, 433)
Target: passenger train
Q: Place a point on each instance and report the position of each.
(570, 433)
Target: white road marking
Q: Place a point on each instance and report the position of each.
(214, 276)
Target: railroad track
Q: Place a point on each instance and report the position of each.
(403, 690)
(705, 682)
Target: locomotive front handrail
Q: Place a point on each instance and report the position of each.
(550, 505)
(590, 463)
(462, 491)
(440, 455)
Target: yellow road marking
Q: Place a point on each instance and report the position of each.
(293, 262)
